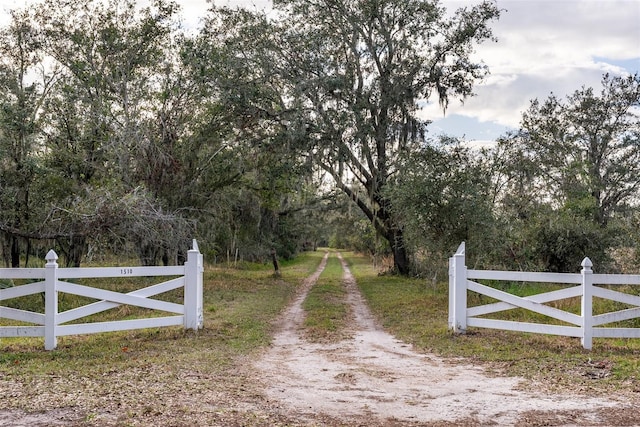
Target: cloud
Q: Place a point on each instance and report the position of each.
(548, 46)
(249, 4)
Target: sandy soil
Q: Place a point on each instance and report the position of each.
(375, 377)
(368, 379)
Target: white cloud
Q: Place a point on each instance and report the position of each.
(543, 46)
(548, 46)
(250, 4)
(192, 11)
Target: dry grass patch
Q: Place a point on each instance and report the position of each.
(416, 311)
(157, 376)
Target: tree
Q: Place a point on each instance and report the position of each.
(24, 85)
(110, 56)
(342, 81)
(567, 173)
(114, 134)
(588, 148)
(443, 197)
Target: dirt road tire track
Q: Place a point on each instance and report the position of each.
(370, 379)
(375, 379)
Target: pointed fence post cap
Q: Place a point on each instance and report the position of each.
(51, 257)
(195, 245)
(461, 249)
(586, 263)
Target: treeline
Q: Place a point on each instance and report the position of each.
(113, 139)
(566, 185)
(122, 132)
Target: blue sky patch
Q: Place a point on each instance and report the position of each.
(466, 127)
(631, 65)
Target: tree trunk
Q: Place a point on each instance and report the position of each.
(73, 248)
(389, 229)
(148, 254)
(15, 252)
(77, 249)
(400, 257)
(274, 258)
(6, 249)
(384, 224)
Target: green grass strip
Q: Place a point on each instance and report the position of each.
(327, 314)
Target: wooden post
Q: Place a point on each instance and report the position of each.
(587, 304)
(193, 316)
(458, 291)
(50, 301)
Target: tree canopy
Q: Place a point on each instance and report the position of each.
(120, 132)
(573, 168)
(588, 148)
(341, 81)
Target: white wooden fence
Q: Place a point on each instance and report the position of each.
(52, 324)
(583, 325)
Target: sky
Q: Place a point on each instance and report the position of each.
(543, 46)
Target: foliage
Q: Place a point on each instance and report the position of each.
(443, 198)
(112, 138)
(562, 181)
(339, 87)
(23, 89)
(351, 229)
(119, 131)
(558, 241)
(588, 146)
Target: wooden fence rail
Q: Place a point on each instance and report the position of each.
(52, 323)
(585, 285)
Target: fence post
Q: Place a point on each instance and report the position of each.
(194, 267)
(458, 291)
(452, 292)
(50, 301)
(587, 304)
(200, 313)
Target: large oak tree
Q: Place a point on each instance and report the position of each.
(339, 82)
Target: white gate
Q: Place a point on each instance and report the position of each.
(52, 324)
(583, 325)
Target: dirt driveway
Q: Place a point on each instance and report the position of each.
(374, 379)
(368, 379)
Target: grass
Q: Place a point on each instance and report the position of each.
(326, 310)
(417, 312)
(112, 370)
(239, 310)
